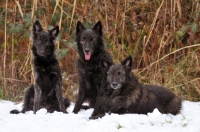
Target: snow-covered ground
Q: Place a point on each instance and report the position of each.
(187, 121)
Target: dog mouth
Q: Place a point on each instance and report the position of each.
(87, 55)
(41, 54)
(116, 86)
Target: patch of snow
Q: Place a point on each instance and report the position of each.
(187, 121)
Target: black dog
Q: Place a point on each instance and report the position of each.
(122, 93)
(47, 90)
(91, 49)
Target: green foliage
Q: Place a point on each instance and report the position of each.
(22, 28)
(40, 11)
(119, 126)
(194, 27)
(70, 44)
(183, 117)
(1, 94)
(55, 18)
(27, 20)
(61, 53)
(180, 33)
(184, 125)
(168, 121)
(152, 124)
(53, 3)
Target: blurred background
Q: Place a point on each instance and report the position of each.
(162, 36)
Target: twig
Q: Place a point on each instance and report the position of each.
(73, 75)
(185, 83)
(74, 7)
(5, 47)
(186, 47)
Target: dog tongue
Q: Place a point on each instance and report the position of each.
(87, 56)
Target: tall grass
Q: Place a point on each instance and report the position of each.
(162, 36)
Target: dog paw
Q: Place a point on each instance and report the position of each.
(75, 111)
(14, 112)
(93, 117)
(65, 112)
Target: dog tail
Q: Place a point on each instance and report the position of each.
(15, 112)
(175, 105)
(67, 102)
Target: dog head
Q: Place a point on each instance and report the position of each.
(43, 42)
(117, 74)
(88, 40)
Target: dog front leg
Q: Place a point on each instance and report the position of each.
(99, 111)
(37, 98)
(60, 98)
(80, 100)
(58, 89)
(28, 99)
(119, 102)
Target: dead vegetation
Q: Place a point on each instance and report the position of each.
(162, 36)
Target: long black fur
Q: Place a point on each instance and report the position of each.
(89, 41)
(121, 92)
(47, 90)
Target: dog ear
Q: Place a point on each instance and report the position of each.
(105, 63)
(127, 63)
(79, 27)
(98, 28)
(36, 28)
(54, 32)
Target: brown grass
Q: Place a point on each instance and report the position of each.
(163, 38)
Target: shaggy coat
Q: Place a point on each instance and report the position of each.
(121, 92)
(91, 50)
(47, 90)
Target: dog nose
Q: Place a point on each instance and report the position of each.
(87, 50)
(41, 53)
(114, 84)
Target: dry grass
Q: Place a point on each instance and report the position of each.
(163, 37)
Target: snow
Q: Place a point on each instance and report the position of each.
(187, 121)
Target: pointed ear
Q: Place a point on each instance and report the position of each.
(36, 28)
(79, 27)
(105, 63)
(127, 63)
(54, 32)
(98, 28)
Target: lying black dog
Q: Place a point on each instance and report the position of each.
(123, 93)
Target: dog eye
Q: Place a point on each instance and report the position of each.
(38, 41)
(91, 39)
